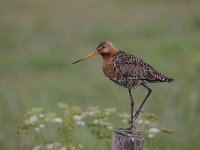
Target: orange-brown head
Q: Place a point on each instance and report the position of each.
(105, 49)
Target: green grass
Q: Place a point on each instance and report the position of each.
(39, 40)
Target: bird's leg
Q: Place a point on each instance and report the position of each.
(132, 107)
(139, 109)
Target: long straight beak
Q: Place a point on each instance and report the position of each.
(86, 57)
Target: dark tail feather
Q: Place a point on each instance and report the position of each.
(158, 80)
(170, 80)
(165, 80)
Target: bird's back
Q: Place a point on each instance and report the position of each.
(130, 71)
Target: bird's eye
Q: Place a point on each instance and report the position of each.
(101, 48)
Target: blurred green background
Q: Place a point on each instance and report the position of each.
(39, 39)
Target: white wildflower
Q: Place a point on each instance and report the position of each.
(77, 117)
(32, 120)
(37, 129)
(63, 105)
(41, 126)
(90, 113)
(50, 146)
(53, 145)
(41, 115)
(63, 148)
(57, 120)
(108, 111)
(78, 120)
(81, 123)
(95, 121)
(81, 146)
(151, 135)
(125, 117)
(124, 120)
(153, 130)
(110, 127)
(106, 124)
(146, 122)
(140, 121)
(36, 147)
(92, 110)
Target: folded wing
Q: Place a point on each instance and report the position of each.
(135, 68)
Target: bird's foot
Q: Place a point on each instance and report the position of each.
(130, 128)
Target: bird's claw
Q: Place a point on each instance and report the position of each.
(130, 128)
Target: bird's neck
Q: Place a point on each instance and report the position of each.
(109, 54)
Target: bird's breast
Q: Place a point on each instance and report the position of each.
(112, 70)
(108, 67)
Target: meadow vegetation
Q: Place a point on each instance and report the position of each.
(39, 40)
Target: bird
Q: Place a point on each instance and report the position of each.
(127, 70)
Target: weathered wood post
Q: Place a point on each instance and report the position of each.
(127, 140)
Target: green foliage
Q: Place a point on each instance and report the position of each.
(64, 123)
(69, 118)
(148, 124)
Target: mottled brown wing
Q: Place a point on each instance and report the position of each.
(135, 68)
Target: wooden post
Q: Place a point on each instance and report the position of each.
(127, 140)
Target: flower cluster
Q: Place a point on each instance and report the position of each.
(79, 119)
(152, 132)
(147, 123)
(99, 118)
(69, 118)
(66, 121)
(38, 121)
(57, 146)
(43, 123)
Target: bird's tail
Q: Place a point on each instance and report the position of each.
(162, 78)
(169, 80)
